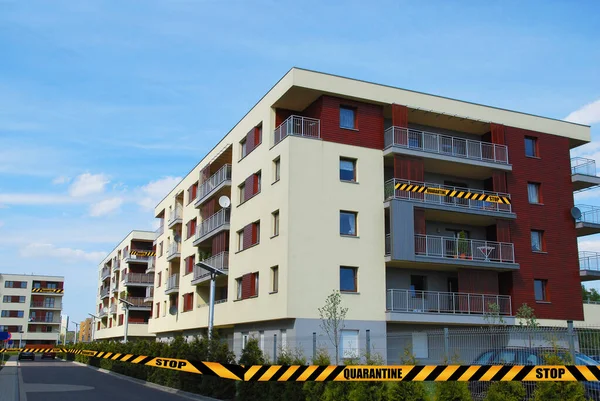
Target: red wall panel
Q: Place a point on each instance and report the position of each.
(399, 115)
(408, 168)
(477, 281)
(246, 283)
(249, 187)
(220, 242)
(247, 236)
(250, 144)
(560, 264)
(497, 135)
(282, 114)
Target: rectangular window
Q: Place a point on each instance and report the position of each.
(347, 117)
(240, 240)
(347, 169)
(276, 169)
(244, 340)
(540, 290)
(348, 281)
(121, 319)
(533, 192)
(190, 261)
(348, 223)
(242, 192)
(160, 249)
(284, 339)
(17, 284)
(157, 310)
(191, 228)
(254, 289)
(274, 279)
(531, 145)
(243, 148)
(349, 344)
(261, 340)
(159, 279)
(188, 302)
(256, 181)
(537, 240)
(192, 191)
(165, 309)
(275, 215)
(238, 282)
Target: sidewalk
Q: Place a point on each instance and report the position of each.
(9, 380)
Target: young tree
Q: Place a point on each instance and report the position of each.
(527, 319)
(332, 320)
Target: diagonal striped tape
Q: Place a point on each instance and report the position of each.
(452, 193)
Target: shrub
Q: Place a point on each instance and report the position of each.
(251, 355)
(559, 391)
(313, 391)
(506, 391)
(406, 391)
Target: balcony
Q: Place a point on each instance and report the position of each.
(116, 265)
(172, 284)
(139, 303)
(174, 251)
(103, 312)
(105, 273)
(589, 221)
(45, 305)
(113, 309)
(297, 126)
(427, 306)
(138, 279)
(213, 225)
(589, 265)
(104, 292)
(159, 231)
(137, 256)
(583, 174)
(44, 319)
(114, 288)
(151, 265)
(149, 294)
(463, 200)
(442, 152)
(217, 181)
(219, 261)
(175, 216)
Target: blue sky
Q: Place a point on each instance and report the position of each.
(103, 105)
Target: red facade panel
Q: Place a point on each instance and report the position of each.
(282, 114)
(399, 115)
(499, 181)
(208, 209)
(250, 144)
(249, 187)
(220, 242)
(560, 264)
(248, 236)
(409, 168)
(497, 135)
(246, 280)
(478, 281)
(205, 174)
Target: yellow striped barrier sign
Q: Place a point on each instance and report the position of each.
(452, 193)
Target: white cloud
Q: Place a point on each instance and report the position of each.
(105, 207)
(155, 191)
(42, 251)
(2, 223)
(61, 180)
(88, 184)
(589, 245)
(35, 199)
(588, 114)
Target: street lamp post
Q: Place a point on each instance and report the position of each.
(76, 329)
(94, 317)
(214, 272)
(126, 304)
(20, 338)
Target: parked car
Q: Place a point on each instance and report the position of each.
(26, 355)
(49, 355)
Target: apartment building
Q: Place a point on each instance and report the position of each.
(126, 273)
(31, 307)
(423, 211)
(85, 331)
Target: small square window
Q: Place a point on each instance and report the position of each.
(540, 290)
(348, 223)
(276, 169)
(347, 117)
(275, 215)
(531, 147)
(348, 279)
(533, 192)
(347, 169)
(537, 240)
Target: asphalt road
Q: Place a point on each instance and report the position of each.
(57, 380)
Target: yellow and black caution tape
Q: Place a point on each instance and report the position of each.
(142, 253)
(54, 290)
(303, 373)
(452, 193)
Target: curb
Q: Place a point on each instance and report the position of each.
(155, 386)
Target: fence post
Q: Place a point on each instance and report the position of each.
(368, 345)
(571, 335)
(274, 348)
(314, 347)
(446, 344)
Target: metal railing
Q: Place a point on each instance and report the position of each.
(222, 175)
(175, 214)
(139, 302)
(105, 273)
(44, 319)
(113, 309)
(116, 265)
(103, 312)
(213, 222)
(467, 249)
(297, 126)
(217, 301)
(45, 304)
(159, 231)
(403, 300)
(172, 282)
(589, 260)
(581, 165)
(445, 145)
(140, 278)
(150, 292)
(151, 264)
(114, 288)
(219, 261)
(131, 255)
(174, 249)
(589, 214)
(104, 291)
(391, 192)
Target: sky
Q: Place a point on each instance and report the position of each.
(105, 105)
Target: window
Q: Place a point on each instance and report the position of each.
(348, 223)
(531, 147)
(533, 192)
(284, 339)
(240, 240)
(242, 192)
(243, 148)
(347, 117)
(537, 240)
(539, 287)
(417, 285)
(238, 282)
(276, 169)
(17, 284)
(12, 313)
(274, 279)
(254, 285)
(244, 340)
(190, 261)
(256, 179)
(160, 249)
(191, 228)
(192, 192)
(165, 309)
(275, 215)
(157, 310)
(348, 279)
(13, 299)
(261, 337)
(347, 169)
(349, 344)
(188, 302)
(159, 279)
(121, 319)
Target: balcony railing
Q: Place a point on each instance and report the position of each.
(137, 255)
(113, 309)
(150, 292)
(391, 192)
(172, 282)
(103, 312)
(297, 126)
(138, 278)
(217, 301)
(105, 273)
(174, 250)
(589, 260)
(589, 214)
(115, 265)
(104, 292)
(581, 165)
(159, 231)
(175, 214)
(151, 264)
(45, 305)
(467, 249)
(219, 261)
(139, 302)
(222, 175)
(445, 145)
(213, 222)
(402, 300)
(114, 288)
(44, 319)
